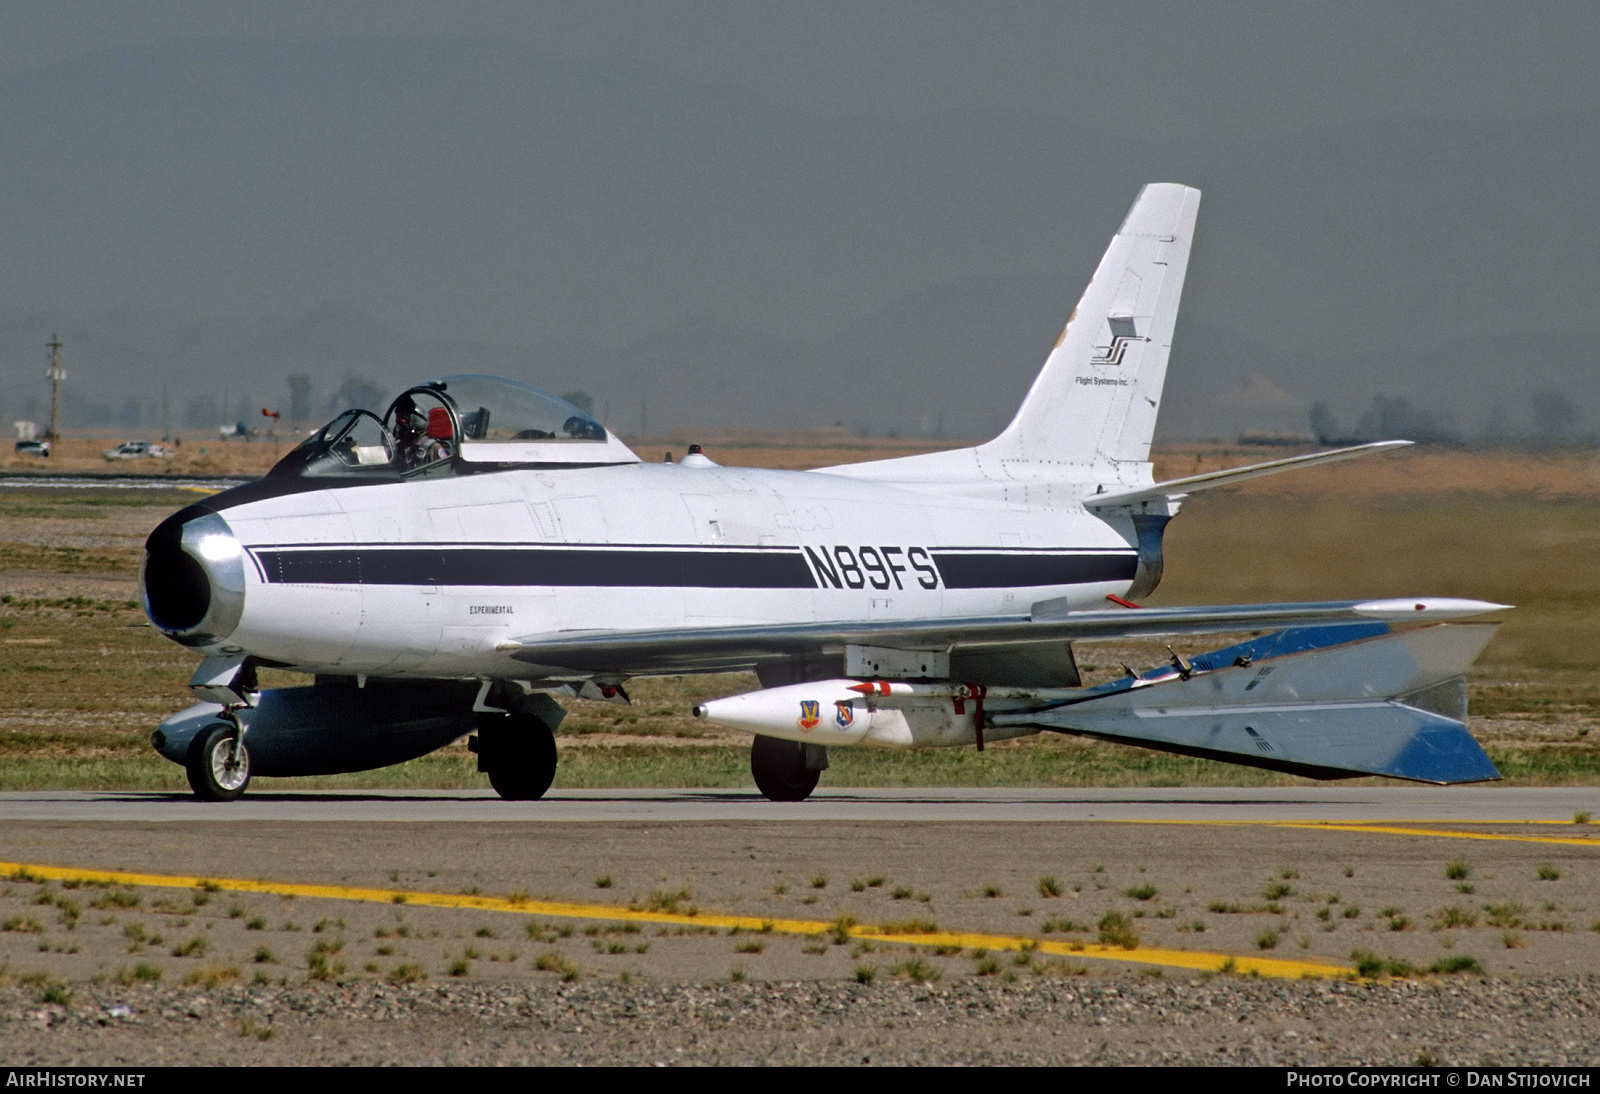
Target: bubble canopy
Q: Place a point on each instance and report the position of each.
(435, 428)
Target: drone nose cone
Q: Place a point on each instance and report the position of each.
(192, 582)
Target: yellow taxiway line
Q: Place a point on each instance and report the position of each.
(891, 933)
(1395, 828)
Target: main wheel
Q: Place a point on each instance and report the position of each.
(212, 771)
(780, 769)
(518, 753)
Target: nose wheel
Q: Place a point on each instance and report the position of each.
(219, 763)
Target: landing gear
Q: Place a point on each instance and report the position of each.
(518, 753)
(786, 771)
(219, 763)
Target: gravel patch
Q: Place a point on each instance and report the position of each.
(1220, 1020)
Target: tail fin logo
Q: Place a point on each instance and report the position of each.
(1122, 333)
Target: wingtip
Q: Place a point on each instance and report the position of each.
(1427, 607)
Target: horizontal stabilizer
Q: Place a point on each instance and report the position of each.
(1381, 704)
(1177, 488)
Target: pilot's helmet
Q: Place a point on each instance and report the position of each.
(408, 420)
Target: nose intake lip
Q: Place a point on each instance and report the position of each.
(192, 581)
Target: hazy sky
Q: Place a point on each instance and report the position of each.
(1156, 69)
(1402, 188)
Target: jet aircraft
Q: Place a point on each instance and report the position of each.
(481, 550)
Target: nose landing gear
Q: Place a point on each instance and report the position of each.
(219, 764)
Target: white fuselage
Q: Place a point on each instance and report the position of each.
(428, 577)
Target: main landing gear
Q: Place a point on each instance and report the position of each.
(518, 753)
(786, 771)
(219, 763)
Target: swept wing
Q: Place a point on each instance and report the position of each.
(729, 648)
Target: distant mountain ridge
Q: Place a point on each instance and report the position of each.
(691, 254)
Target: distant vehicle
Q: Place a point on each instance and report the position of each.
(137, 450)
(33, 448)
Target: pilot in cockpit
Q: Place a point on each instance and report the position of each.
(421, 437)
(410, 433)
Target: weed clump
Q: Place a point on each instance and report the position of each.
(1507, 913)
(1063, 925)
(673, 903)
(1116, 929)
(1372, 967)
(319, 965)
(554, 961)
(1453, 916)
(210, 975)
(911, 926)
(916, 970)
(142, 973)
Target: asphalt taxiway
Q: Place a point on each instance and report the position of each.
(1219, 805)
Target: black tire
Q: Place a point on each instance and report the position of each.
(780, 769)
(518, 753)
(210, 766)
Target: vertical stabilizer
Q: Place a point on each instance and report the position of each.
(1096, 399)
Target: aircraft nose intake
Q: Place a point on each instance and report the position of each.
(192, 582)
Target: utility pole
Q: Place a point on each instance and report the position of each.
(55, 375)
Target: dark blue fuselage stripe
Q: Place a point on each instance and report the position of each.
(1007, 570)
(719, 568)
(492, 566)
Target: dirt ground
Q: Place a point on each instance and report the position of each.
(1518, 906)
(205, 974)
